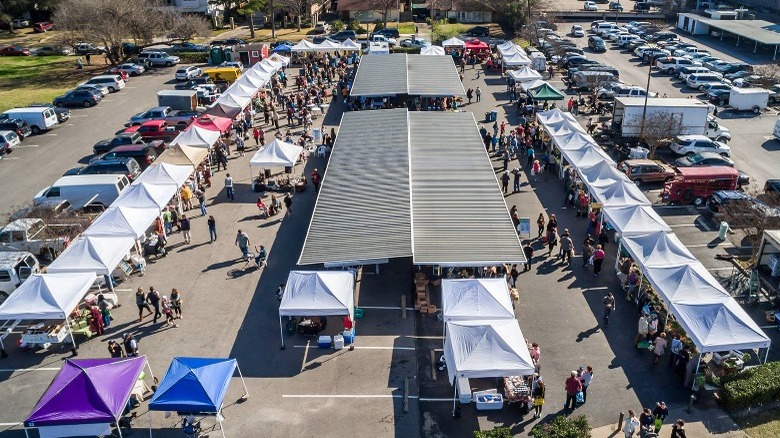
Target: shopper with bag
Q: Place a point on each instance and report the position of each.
(631, 424)
(538, 395)
(573, 387)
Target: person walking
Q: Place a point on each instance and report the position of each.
(516, 185)
(598, 260)
(531, 154)
(659, 347)
(646, 422)
(469, 94)
(168, 312)
(586, 377)
(242, 240)
(540, 224)
(538, 394)
(676, 348)
(315, 179)
(678, 430)
(130, 344)
(567, 246)
(631, 424)
(229, 187)
(184, 223)
(288, 204)
(528, 250)
(153, 298)
(114, 349)
(643, 327)
(176, 302)
(256, 135)
(201, 195)
(552, 239)
(551, 71)
(609, 306)
(212, 229)
(140, 301)
(573, 386)
(478, 93)
(505, 182)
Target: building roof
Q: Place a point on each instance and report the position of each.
(762, 31)
(416, 75)
(387, 193)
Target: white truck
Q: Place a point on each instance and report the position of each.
(748, 99)
(695, 116)
(32, 235)
(15, 267)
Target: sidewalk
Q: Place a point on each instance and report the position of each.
(699, 423)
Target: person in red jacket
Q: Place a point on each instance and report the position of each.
(573, 386)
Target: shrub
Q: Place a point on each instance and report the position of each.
(194, 57)
(452, 20)
(337, 25)
(378, 25)
(562, 427)
(752, 387)
(410, 50)
(428, 20)
(498, 432)
(353, 25)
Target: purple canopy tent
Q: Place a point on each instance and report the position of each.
(86, 396)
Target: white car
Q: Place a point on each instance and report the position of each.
(322, 27)
(8, 141)
(691, 144)
(187, 73)
(236, 64)
(414, 42)
(132, 69)
(94, 87)
(590, 6)
(577, 31)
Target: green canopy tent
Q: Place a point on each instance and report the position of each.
(545, 92)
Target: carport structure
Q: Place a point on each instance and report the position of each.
(410, 184)
(403, 74)
(759, 31)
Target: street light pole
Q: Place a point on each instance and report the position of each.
(647, 94)
(398, 20)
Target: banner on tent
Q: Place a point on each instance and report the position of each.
(524, 227)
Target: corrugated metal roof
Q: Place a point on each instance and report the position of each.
(459, 215)
(433, 76)
(380, 75)
(362, 211)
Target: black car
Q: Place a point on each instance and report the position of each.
(388, 32)
(85, 98)
(720, 97)
(19, 126)
(63, 114)
(615, 6)
(641, 6)
(478, 31)
(282, 42)
(228, 42)
(596, 44)
(144, 154)
(121, 165)
(124, 138)
(344, 35)
(194, 82)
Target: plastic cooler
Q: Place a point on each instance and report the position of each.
(349, 336)
(324, 342)
(338, 342)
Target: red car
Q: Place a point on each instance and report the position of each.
(118, 71)
(42, 26)
(14, 51)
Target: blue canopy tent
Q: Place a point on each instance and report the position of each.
(195, 385)
(282, 48)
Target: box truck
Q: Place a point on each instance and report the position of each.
(693, 113)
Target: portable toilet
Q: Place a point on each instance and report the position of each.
(215, 55)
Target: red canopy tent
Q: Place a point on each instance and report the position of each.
(477, 46)
(214, 123)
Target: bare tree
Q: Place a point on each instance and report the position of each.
(382, 6)
(753, 215)
(296, 8)
(769, 73)
(111, 22)
(658, 129)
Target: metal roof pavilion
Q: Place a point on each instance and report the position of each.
(410, 184)
(415, 75)
(760, 31)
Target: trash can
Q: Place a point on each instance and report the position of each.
(493, 116)
(724, 228)
(488, 115)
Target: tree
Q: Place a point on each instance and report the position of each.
(297, 8)
(769, 73)
(382, 6)
(657, 128)
(752, 216)
(111, 22)
(249, 9)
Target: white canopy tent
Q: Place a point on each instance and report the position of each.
(623, 192)
(285, 61)
(515, 59)
(181, 155)
(657, 249)
(721, 326)
(476, 298)
(587, 156)
(198, 137)
(454, 42)
(262, 70)
(270, 63)
(433, 51)
(690, 283)
(304, 46)
(123, 221)
(528, 85)
(318, 293)
(144, 195)
(277, 153)
(165, 174)
(259, 74)
(600, 174)
(635, 219)
(96, 254)
(252, 78)
(350, 45)
(491, 348)
(524, 74)
(509, 47)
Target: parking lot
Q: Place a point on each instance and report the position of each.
(230, 309)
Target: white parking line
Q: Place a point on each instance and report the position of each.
(707, 245)
(10, 424)
(703, 224)
(13, 370)
(357, 347)
(52, 134)
(28, 146)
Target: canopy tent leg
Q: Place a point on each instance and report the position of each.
(149, 367)
(766, 357)
(119, 429)
(755, 48)
(455, 397)
(281, 331)
(26, 433)
(110, 281)
(241, 375)
(150, 423)
(775, 56)
(72, 338)
(698, 363)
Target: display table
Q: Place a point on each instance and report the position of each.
(45, 335)
(489, 400)
(516, 389)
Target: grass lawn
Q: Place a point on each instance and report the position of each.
(263, 34)
(405, 27)
(766, 425)
(27, 79)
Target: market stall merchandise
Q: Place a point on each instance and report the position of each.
(318, 293)
(86, 397)
(195, 386)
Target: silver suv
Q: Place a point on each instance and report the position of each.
(157, 59)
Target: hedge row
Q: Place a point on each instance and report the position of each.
(193, 57)
(753, 387)
(412, 50)
(562, 427)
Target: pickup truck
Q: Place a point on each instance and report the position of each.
(154, 130)
(379, 39)
(32, 235)
(173, 117)
(414, 42)
(156, 59)
(88, 49)
(15, 268)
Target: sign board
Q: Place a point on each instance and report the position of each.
(524, 227)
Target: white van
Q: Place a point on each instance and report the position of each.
(114, 83)
(39, 118)
(697, 80)
(84, 190)
(605, 27)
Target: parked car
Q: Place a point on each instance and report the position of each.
(120, 165)
(144, 154)
(672, 64)
(704, 159)
(42, 26)
(388, 32)
(114, 83)
(89, 49)
(53, 51)
(120, 139)
(82, 97)
(479, 31)
(344, 35)
(646, 171)
(157, 59)
(235, 64)
(734, 67)
(118, 72)
(8, 141)
(691, 144)
(615, 6)
(414, 42)
(322, 27)
(102, 89)
(19, 126)
(589, 6)
(131, 68)
(130, 49)
(188, 47)
(15, 51)
(577, 31)
(641, 7)
(20, 23)
(194, 83)
(155, 130)
(188, 72)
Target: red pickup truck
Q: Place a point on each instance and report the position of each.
(155, 130)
